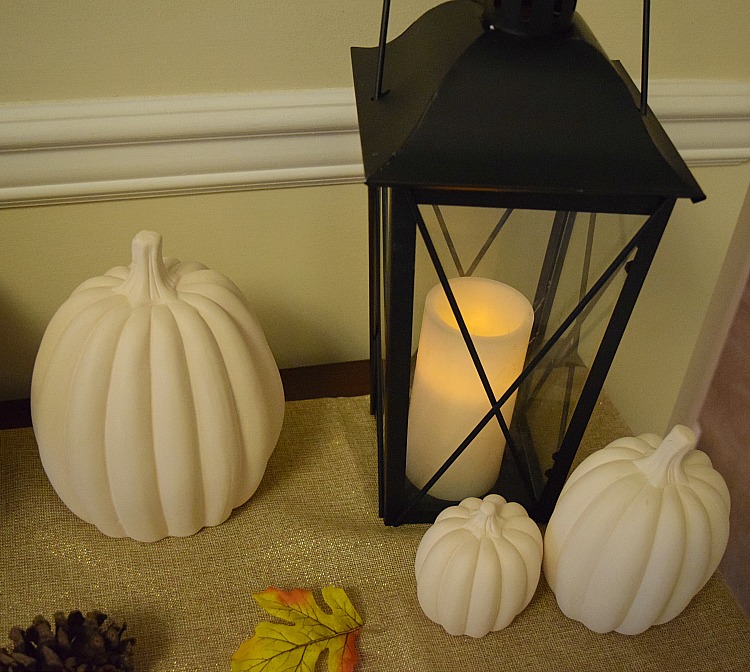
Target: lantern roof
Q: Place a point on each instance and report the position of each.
(543, 121)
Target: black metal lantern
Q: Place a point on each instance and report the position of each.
(545, 139)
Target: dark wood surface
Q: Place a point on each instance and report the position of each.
(15, 413)
(344, 379)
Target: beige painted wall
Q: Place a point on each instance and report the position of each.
(102, 48)
(690, 39)
(652, 363)
(300, 255)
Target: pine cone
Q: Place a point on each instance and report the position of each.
(78, 644)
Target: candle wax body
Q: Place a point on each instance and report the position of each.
(447, 397)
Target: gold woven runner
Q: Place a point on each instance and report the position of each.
(312, 522)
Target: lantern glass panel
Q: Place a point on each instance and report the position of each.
(554, 259)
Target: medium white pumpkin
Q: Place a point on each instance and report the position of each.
(639, 528)
(156, 401)
(478, 565)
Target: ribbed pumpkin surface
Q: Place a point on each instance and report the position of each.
(478, 566)
(156, 401)
(639, 528)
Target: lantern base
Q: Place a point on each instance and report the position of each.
(509, 484)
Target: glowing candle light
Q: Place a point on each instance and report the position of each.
(448, 399)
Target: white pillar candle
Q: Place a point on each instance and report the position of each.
(447, 397)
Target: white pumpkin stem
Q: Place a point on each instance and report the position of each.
(484, 520)
(148, 280)
(664, 465)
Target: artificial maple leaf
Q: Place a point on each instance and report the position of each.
(279, 647)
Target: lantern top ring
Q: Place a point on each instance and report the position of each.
(532, 18)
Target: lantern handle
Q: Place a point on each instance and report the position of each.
(379, 93)
(646, 30)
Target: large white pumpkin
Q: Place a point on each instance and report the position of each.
(156, 401)
(639, 528)
(478, 565)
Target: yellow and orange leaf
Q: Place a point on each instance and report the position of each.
(296, 645)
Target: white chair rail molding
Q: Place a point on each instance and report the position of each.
(86, 150)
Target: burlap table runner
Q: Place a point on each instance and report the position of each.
(313, 522)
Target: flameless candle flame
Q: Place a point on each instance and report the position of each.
(448, 399)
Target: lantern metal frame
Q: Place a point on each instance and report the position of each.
(411, 160)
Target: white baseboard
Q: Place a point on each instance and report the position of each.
(87, 150)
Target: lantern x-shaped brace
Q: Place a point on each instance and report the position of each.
(537, 496)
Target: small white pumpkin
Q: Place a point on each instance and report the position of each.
(156, 401)
(478, 565)
(639, 528)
